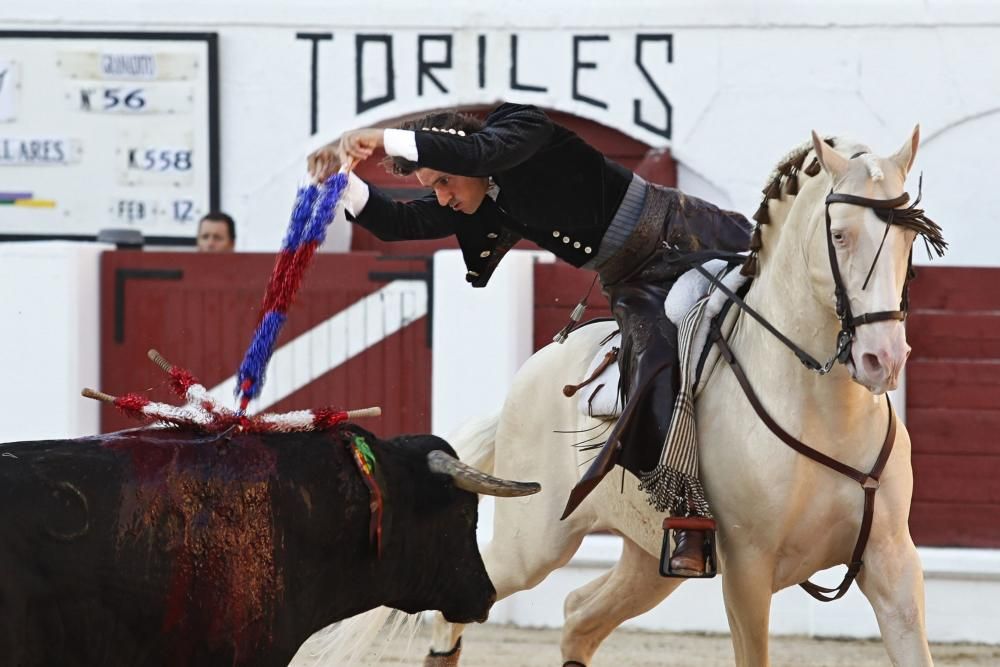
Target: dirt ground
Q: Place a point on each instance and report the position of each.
(508, 646)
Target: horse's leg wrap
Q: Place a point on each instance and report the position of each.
(447, 659)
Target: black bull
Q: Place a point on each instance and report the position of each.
(156, 547)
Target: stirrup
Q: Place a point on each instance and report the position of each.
(672, 523)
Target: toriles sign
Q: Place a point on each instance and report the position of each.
(619, 78)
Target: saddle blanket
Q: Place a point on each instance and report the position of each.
(603, 401)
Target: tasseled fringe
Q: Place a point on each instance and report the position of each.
(797, 163)
(784, 181)
(792, 183)
(762, 216)
(751, 266)
(669, 490)
(773, 191)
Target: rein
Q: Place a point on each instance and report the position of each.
(912, 218)
(807, 359)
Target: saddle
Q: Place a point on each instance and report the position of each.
(602, 398)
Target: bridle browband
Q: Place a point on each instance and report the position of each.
(886, 209)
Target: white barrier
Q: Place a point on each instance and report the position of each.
(50, 338)
(962, 599)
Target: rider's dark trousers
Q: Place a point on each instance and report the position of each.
(672, 231)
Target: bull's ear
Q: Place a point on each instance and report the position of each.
(833, 162)
(908, 152)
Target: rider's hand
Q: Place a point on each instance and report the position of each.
(360, 144)
(324, 162)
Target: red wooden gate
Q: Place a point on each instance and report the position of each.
(953, 406)
(357, 336)
(952, 393)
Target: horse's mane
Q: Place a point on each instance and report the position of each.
(782, 181)
(785, 181)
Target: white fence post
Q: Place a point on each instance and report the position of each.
(50, 293)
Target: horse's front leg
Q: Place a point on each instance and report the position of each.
(893, 581)
(747, 589)
(630, 588)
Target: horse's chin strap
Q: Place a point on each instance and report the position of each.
(868, 481)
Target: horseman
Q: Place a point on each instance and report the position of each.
(519, 175)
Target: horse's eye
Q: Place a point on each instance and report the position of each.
(838, 236)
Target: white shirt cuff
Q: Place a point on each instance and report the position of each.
(355, 196)
(400, 143)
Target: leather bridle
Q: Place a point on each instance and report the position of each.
(883, 208)
(886, 209)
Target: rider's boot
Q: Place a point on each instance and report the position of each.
(688, 559)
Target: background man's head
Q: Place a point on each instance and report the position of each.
(216, 233)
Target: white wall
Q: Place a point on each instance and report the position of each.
(496, 321)
(962, 599)
(49, 292)
(747, 82)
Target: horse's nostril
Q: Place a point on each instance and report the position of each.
(872, 364)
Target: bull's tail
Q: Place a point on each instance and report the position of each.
(360, 640)
(475, 442)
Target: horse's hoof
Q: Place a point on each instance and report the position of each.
(448, 659)
(573, 663)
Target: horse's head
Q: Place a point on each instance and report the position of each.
(866, 241)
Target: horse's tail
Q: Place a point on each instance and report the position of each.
(475, 442)
(359, 640)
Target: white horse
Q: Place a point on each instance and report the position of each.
(781, 516)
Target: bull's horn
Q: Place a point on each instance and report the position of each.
(469, 479)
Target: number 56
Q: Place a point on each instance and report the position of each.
(133, 99)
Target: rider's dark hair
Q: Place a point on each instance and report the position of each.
(439, 121)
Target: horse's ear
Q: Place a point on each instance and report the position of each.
(833, 162)
(904, 157)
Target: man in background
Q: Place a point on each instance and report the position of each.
(216, 233)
